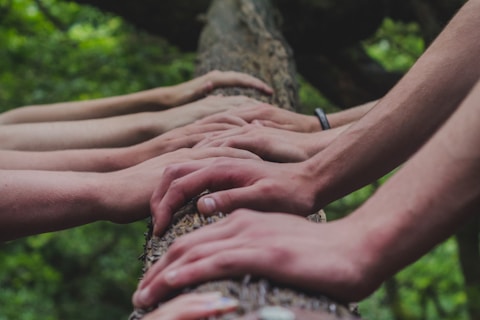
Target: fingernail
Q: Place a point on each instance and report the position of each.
(170, 277)
(222, 304)
(210, 205)
(140, 297)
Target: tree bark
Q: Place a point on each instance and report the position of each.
(242, 35)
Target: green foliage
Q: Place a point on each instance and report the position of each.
(311, 98)
(396, 45)
(93, 55)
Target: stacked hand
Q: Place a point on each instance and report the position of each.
(278, 246)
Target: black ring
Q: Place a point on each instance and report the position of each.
(322, 117)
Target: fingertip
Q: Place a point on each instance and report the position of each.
(207, 205)
(159, 225)
(142, 297)
(208, 86)
(258, 122)
(268, 90)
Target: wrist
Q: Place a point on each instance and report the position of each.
(320, 178)
(368, 268)
(122, 201)
(380, 240)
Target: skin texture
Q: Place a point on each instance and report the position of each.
(109, 159)
(269, 116)
(34, 201)
(398, 125)
(118, 131)
(148, 100)
(272, 144)
(433, 194)
(193, 306)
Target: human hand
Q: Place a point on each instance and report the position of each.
(269, 143)
(234, 183)
(178, 138)
(200, 109)
(268, 116)
(196, 88)
(329, 258)
(126, 193)
(193, 306)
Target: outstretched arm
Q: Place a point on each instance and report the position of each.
(148, 100)
(421, 205)
(111, 132)
(33, 202)
(408, 115)
(108, 159)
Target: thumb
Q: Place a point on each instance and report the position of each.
(160, 222)
(230, 200)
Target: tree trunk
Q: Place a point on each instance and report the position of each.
(242, 35)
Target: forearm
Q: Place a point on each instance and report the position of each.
(119, 131)
(33, 202)
(96, 133)
(344, 117)
(408, 115)
(426, 200)
(149, 100)
(86, 160)
(317, 141)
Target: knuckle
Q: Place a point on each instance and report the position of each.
(269, 187)
(278, 254)
(170, 172)
(224, 261)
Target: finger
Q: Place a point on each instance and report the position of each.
(226, 201)
(222, 152)
(210, 127)
(223, 117)
(193, 246)
(272, 124)
(161, 219)
(181, 183)
(228, 263)
(220, 137)
(193, 306)
(232, 78)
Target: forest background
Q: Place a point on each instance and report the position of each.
(52, 50)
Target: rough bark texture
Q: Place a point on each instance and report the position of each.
(242, 35)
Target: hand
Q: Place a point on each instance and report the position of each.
(193, 306)
(326, 258)
(182, 137)
(200, 109)
(126, 193)
(234, 183)
(201, 86)
(269, 116)
(269, 143)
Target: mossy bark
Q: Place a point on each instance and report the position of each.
(243, 35)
